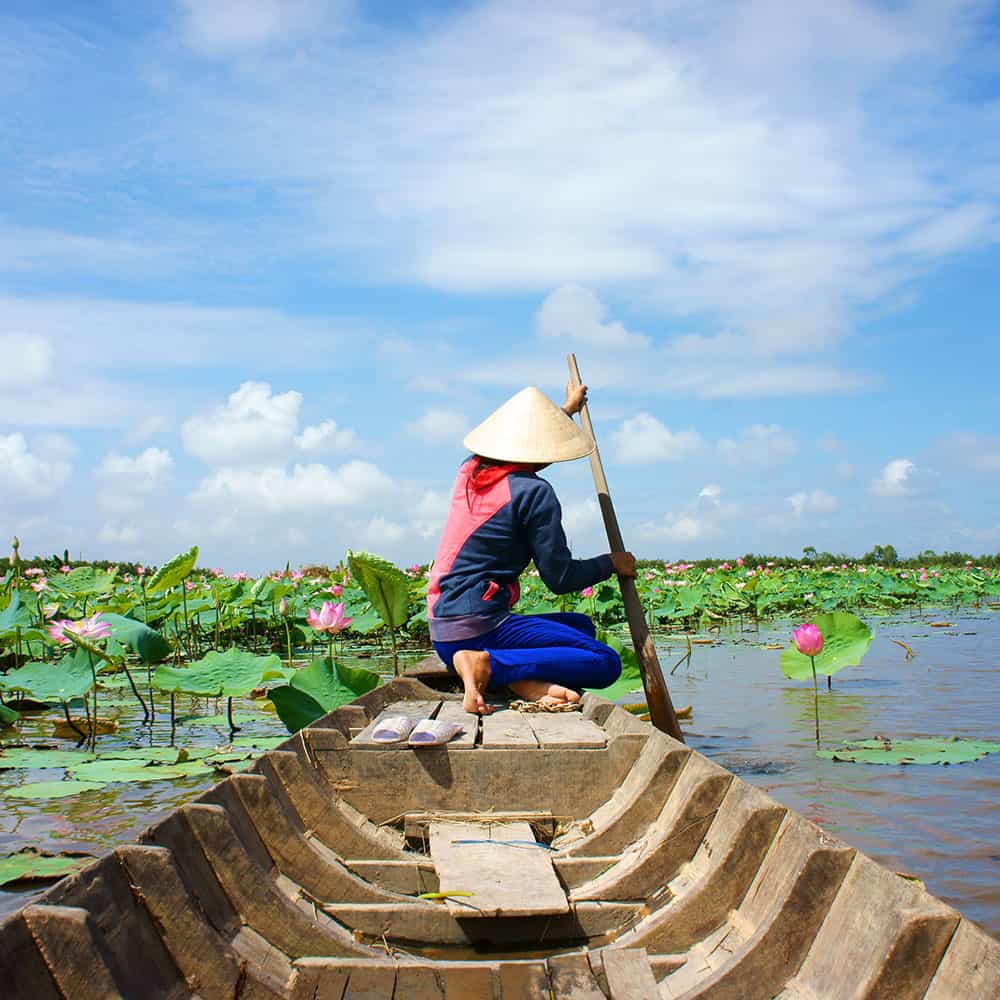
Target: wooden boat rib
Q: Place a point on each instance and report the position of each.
(582, 855)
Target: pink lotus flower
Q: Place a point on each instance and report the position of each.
(140, 570)
(739, 562)
(65, 569)
(587, 592)
(336, 590)
(39, 585)
(808, 640)
(330, 618)
(49, 609)
(34, 571)
(87, 628)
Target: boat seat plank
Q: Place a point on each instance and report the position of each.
(566, 730)
(505, 879)
(508, 730)
(573, 979)
(411, 709)
(629, 974)
(452, 711)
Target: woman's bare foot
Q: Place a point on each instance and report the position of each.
(544, 691)
(473, 666)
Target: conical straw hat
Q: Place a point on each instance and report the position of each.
(529, 427)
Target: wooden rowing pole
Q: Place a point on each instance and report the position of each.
(661, 709)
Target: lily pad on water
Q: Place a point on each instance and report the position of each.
(919, 750)
(29, 865)
(39, 757)
(52, 789)
(8, 716)
(108, 771)
(234, 672)
(845, 640)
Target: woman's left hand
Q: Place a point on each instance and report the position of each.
(575, 398)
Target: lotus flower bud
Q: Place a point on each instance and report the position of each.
(808, 640)
(283, 608)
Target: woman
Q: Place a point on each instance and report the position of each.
(503, 516)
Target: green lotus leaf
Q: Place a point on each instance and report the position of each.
(317, 689)
(40, 757)
(61, 680)
(148, 644)
(919, 750)
(108, 770)
(384, 584)
(845, 641)
(171, 573)
(8, 716)
(84, 580)
(29, 865)
(15, 615)
(52, 789)
(631, 677)
(259, 742)
(234, 672)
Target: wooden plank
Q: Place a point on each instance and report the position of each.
(629, 974)
(452, 711)
(416, 824)
(505, 879)
(411, 709)
(506, 729)
(566, 731)
(573, 979)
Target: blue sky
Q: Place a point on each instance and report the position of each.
(263, 262)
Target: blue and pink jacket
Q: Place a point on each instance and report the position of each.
(494, 530)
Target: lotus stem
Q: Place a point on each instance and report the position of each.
(72, 725)
(812, 663)
(93, 720)
(135, 691)
(173, 716)
(288, 641)
(233, 728)
(395, 659)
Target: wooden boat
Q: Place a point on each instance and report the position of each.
(575, 855)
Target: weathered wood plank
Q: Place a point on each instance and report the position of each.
(573, 979)
(452, 711)
(506, 876)
(506, 729)
(566, 730)
(629, 974)
(411, 709)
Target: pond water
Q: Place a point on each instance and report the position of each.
(941, 824)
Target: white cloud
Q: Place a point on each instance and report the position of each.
(223, 27)
(811, 502)
(680, 528)
(308, 487)
(27, 476)
(252, 424)
(702, 519)
(119, 534)
(142, 473)
(27, 359)
(965, 451)
(760, 446)
(575, 314)
(428, 514)
(379, 531)
(257, 427)
(326, 436)
(895, 479)
(439, 426)
(643, 438)
(147, 427)
(711, 494)
(580, 516)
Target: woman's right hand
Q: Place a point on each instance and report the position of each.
(623, 563)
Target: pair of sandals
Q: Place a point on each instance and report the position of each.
(417, 733)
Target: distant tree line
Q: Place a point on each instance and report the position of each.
(880, 555)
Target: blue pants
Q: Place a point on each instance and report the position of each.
(559, 648)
